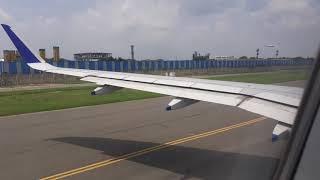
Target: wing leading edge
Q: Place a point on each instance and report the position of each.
(277, 102)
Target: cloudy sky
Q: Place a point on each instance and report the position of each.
(167, 29)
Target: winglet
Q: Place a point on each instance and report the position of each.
(274, 137)
(5, 25)
(280, 130)
(24, 51)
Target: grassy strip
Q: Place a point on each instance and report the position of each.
(265, 78)
(19, 102)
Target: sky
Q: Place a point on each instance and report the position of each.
(165, 29)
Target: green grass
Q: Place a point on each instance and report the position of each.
(18, 102)
(266, 78)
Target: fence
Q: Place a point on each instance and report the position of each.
(20, 67)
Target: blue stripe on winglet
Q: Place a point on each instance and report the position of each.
(25, 53)
(274, 137)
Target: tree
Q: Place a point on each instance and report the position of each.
(243, 57)
(299, 57)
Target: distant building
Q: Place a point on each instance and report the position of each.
(198, 56)
(56, 53)
(18, 56)
(90, 56)
(42, 53)
(11, 55)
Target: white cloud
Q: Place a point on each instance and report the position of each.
(166, 29)
(93, 12)
(4, 15)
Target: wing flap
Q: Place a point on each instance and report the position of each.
(140, 79)
(172, 82)
(217, 87)
(276, 97)
(216, 97)
(280, 112)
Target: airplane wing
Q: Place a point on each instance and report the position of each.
(276, 102)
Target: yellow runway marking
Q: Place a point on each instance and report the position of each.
(147, 150)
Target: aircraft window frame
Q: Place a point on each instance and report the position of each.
(307, 168)
(304, 122)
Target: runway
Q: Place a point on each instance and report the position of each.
(41, 145)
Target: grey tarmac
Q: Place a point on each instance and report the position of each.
(38, 145)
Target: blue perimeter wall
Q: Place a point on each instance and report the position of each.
(20, 67)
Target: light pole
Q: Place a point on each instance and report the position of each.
(2, 66)
(1, 74)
